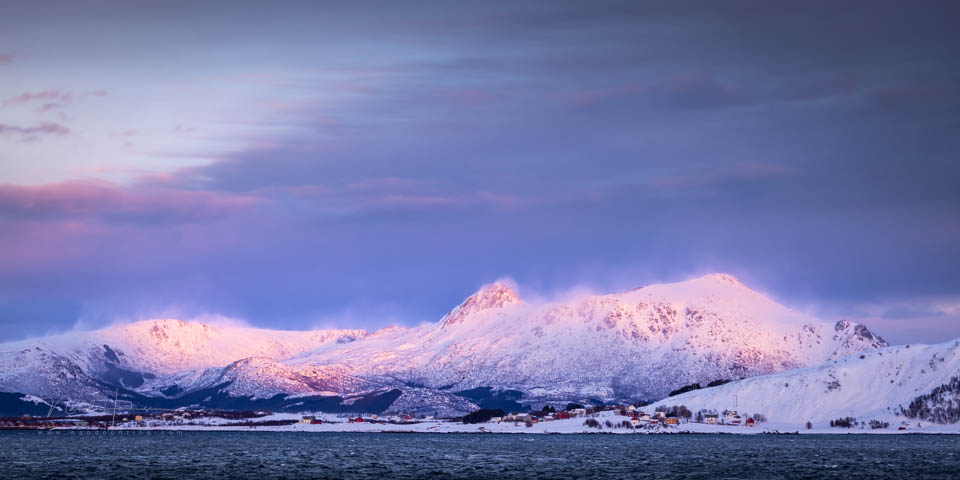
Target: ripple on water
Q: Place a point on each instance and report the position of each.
(381, 456)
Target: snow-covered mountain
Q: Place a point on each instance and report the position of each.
(639, 344)
(84, 365)
(907, 383)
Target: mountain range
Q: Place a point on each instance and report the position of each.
(494, 349)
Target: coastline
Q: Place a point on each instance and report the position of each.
(333, 424)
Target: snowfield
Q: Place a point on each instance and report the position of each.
(874, 385)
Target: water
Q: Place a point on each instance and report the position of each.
(265, 455)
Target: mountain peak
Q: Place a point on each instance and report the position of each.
(722, 278)
(495, 295)
(164, 328)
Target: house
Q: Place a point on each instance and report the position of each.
(138, 418)
(751, 422)
(672, 420)
(496, 419)
(736, 420)
(631, 408)
(644, 416)
(729, 415)
(563, 415)
(308, 419)
(711, 418)
(660, 415)
(356, 420)
(406, 418)
(579, 412)
(635, 421)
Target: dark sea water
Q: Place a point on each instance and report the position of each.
(265, 455)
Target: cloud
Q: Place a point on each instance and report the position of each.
(735, 173)
(5, 59)
(684, 90)
(104, 201)
(45, 95)
(804, 144)
(45, 128)
(52, 99)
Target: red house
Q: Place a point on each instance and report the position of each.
(751, 422)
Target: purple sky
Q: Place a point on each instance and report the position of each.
(358, 164)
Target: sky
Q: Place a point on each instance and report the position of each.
(360, 164)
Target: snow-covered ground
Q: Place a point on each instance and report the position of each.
(335, 423)
(872, 385)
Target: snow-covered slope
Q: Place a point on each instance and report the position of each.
(639, 344)
(166, 346)
(85, 364)
(879, 384)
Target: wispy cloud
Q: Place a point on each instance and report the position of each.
(5, 59)
(99, 200)
(44, 95)
(42, 129)
(737, 172)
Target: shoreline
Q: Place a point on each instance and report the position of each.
(171, 431)
(571, 428)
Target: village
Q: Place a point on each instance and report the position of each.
(618, 416)
(589, 418)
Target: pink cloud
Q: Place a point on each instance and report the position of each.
(5, 59)
(97, 93)
(45, 95)
(79, 200)
(42, 129)
(46, 107)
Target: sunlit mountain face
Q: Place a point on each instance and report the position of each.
(631, 346)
